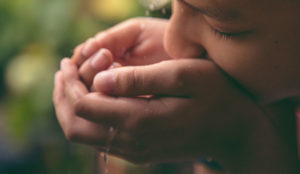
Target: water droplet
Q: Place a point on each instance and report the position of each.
(105, 157)
(112, 132)
(111, 129)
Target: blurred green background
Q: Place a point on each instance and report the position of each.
(34, 36)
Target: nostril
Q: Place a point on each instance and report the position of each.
(197, 52)
(203, 55)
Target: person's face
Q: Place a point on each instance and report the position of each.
(257, 42)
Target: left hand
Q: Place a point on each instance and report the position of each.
(76, 129)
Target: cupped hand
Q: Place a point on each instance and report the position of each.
(194, 112)
(137, 41)
(76, 129)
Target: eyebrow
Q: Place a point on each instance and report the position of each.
(214, 13)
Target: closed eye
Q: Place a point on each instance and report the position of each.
(229, 35)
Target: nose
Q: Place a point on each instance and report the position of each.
(179, 41)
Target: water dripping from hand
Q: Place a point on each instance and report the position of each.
(112, 132)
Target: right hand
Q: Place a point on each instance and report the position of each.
(137, 41)
(188, 119)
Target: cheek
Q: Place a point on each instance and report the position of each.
(264, 69)
(244, 62)
(233, 57)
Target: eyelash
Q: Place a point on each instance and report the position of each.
(225, 35)
(230, 35)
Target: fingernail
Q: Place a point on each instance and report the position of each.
(105, 81)
(101, 60)
(89, 48)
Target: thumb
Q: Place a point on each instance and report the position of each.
(172, 77)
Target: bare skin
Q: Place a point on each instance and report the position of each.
(211, 117)
(258, 46)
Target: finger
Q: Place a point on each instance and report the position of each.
(112, 66)
(75, 128)
(175, 77)
(74, 89)
(100, 61)
(87, 50)
(115, 39)
(77, 57)
(79, 130)
(60, 100)
(132, 117)
(58, 94)
(122, 112)
(62, 108)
